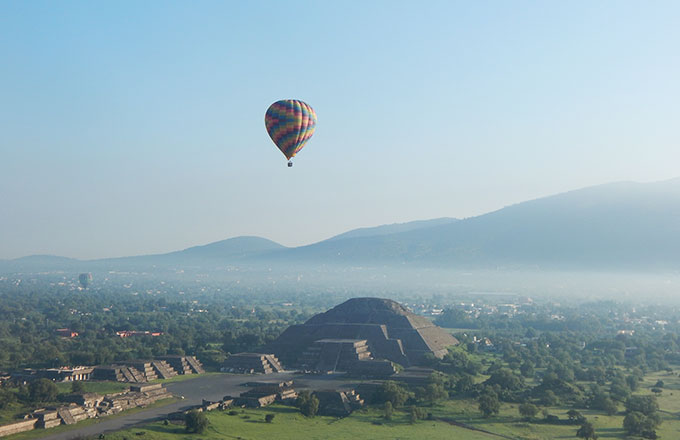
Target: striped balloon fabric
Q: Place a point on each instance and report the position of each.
(290, 123)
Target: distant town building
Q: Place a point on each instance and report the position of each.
(128, 333)
(61, 374)
(625, 332)
(66, 332)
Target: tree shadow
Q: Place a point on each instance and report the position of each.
(166, 429)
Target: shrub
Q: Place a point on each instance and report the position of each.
(196, 422)
(308, 404)
(388, 410)
(528, 410)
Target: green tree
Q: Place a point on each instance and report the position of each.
(603, 402)
(637, 423)
(619, 390)
(586, 431)
(527, 369)
(269, 418)
(42, 390)
(415, 413)
(550, 398)
(489, 403)
(308, 404)
(388, 410)
(464, 384)
(6, 397)
(412, 415)
(633, 422)
(609, 406)
(528, 410)
(196, 422)
(434, 392)
(392, 392)
(633, 381)
(575, 416)
(644, 404)
(506, 379)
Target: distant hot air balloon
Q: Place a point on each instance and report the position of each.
(85, 279)
(290, 123)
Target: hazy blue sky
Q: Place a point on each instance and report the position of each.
(137, 127)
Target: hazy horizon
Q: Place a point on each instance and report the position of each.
(338, 232)
(137, 128)
(642, 202)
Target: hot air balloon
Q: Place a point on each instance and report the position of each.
(290, 123)
(85, 279)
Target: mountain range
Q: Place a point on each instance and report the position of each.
(621, 225)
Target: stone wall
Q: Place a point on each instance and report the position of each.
(26, 425)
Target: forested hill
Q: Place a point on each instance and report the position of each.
(614, 226)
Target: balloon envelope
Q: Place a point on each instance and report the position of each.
(290, 123)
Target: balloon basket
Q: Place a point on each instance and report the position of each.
(290, 164)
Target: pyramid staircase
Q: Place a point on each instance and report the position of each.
(163, 369)
(137, 376)
(195, 365)
(274, 363)
(335, 354)
(145, 368)
(118, 373)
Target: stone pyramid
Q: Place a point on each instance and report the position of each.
(392, 332)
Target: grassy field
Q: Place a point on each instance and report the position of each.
(95, 387)
(368, 423)
(289, 424)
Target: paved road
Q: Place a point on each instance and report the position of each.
(210, 387)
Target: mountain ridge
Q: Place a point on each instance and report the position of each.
(621, 224)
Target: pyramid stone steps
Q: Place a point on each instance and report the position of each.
(145, 368)
(163, 370)
(138, 375)
(179, 363)
(129, 377)
(195, 365)
(276, 365)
